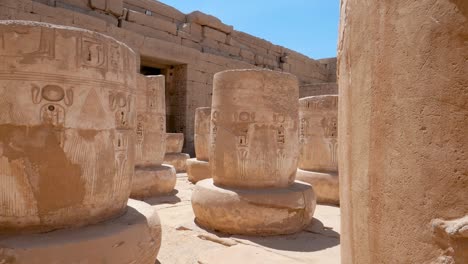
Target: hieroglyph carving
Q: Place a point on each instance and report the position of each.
(120, 104)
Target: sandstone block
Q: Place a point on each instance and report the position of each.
(207, 20)
(162, 9)
(152, 22)
(214, 34)
(197, 170)
(151, 32)
(66, 129)
(254, 129)
(253, 211)
(134, 236)
(153, 180)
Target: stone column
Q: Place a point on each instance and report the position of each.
(67, 152)
(198, 168)
(253, 157)
(318, 161)
(174, 155)
(403, 78)
(152, 178)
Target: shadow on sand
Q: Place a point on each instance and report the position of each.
(170, 198)
(314, 237)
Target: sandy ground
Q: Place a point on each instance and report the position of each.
(186, 243)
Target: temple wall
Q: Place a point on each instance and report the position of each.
(192, 47)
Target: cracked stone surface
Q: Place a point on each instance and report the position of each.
(183, 242)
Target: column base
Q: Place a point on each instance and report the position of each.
(134, 237)
(177, 160)
(326, 185)
(253, 211)
(150, 181)
(197, 170)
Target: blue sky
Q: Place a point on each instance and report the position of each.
(307, 26)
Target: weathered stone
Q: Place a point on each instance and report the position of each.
(151, 120)
(202, 133)
(174, 142)
(152, 22)
(134, 237)
(207, 20)
(254, 129)
(153, 180)
(253, 157)
(178, 160)
(325, 184)
(214, 34)
(318, 162)
(253, 211)
(197, 170)
(66, 126)
(403, 79)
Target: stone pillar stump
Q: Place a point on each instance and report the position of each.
(318, 159)
(152, 178)
(253, 157)
(198, 168)
(174, 155)
(67, 149)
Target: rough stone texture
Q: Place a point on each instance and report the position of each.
(66, 126)
(197, 170)
(403, 122)
(202, 133)
(134, 237)
(253, 212)
(325, 184)
(162, 37)
(174, 142)
(178, 160)
(254, 127)
(153, 180)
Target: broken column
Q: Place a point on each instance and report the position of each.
(174, 155)
(198, 168)
(152, 177)
(318, 163)
(67, 149)
(253, 157)
(403, 111)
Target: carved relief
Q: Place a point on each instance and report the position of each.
(303, 130)
(52, 112)
(120, 104)
(92, 53)
(16, 42)
(114, 57)
(243, 119)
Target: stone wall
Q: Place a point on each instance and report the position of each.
(188, 49)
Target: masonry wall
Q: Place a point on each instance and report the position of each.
(193, 47)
